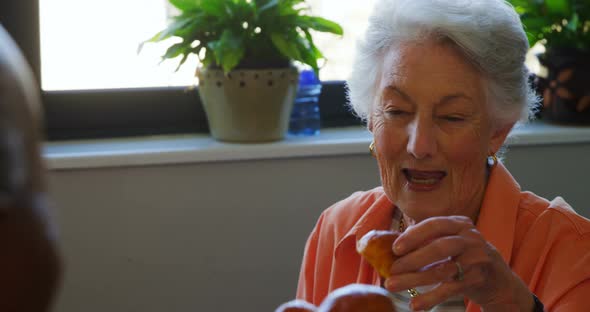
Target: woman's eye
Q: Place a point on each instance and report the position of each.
(397, 112)
(453, 118)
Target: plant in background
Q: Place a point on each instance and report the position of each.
(563, 27)
(253, 34)
(556, 23)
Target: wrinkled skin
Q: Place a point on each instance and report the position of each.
(432, 122)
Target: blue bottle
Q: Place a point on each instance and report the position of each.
(305, 117)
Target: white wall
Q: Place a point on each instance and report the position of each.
(228, 236)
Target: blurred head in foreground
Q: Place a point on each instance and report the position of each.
(29, 265)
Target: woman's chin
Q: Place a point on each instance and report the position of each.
(423, 203)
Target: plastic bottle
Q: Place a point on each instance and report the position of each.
(305, 117)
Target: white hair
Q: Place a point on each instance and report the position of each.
(488, 32)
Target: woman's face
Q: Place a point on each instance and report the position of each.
(432, 131)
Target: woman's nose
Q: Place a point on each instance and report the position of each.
(421, 140)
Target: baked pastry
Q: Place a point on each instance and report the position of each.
(376, 248)
(296, 306)
(358, 298)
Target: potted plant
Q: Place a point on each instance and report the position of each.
(247, 80)
(563, 27)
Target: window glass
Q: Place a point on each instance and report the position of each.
(93, 44)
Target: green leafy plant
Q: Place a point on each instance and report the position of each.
(556, 23)
(245, 33)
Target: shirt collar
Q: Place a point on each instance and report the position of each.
(378, 216)
(499, 209)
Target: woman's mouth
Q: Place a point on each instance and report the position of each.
(421, 180)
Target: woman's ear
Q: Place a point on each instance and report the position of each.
(499, 137)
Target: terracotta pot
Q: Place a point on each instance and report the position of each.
(248, 105)
(566, 91)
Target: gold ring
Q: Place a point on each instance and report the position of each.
(459, 276)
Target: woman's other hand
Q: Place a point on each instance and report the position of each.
(450, 253)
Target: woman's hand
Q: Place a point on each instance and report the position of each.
(435, 250)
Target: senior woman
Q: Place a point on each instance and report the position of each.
(441, 84)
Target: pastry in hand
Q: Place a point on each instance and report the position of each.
(376, 248)
(296, 306)
(358, 298)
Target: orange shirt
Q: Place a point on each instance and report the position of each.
(546, 243)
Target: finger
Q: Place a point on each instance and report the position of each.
(439, 249)
(439, 294)
(419, 234)
(433, 274)
(473, 278)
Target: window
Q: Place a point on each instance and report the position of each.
(95, 85)
(101, 53)
(95, 46)
(86, 93)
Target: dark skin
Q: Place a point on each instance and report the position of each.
(29, 265)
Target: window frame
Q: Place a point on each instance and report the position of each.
(88, 114)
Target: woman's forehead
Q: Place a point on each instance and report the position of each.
(430, 67)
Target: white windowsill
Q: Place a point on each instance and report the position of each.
(197, 148)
